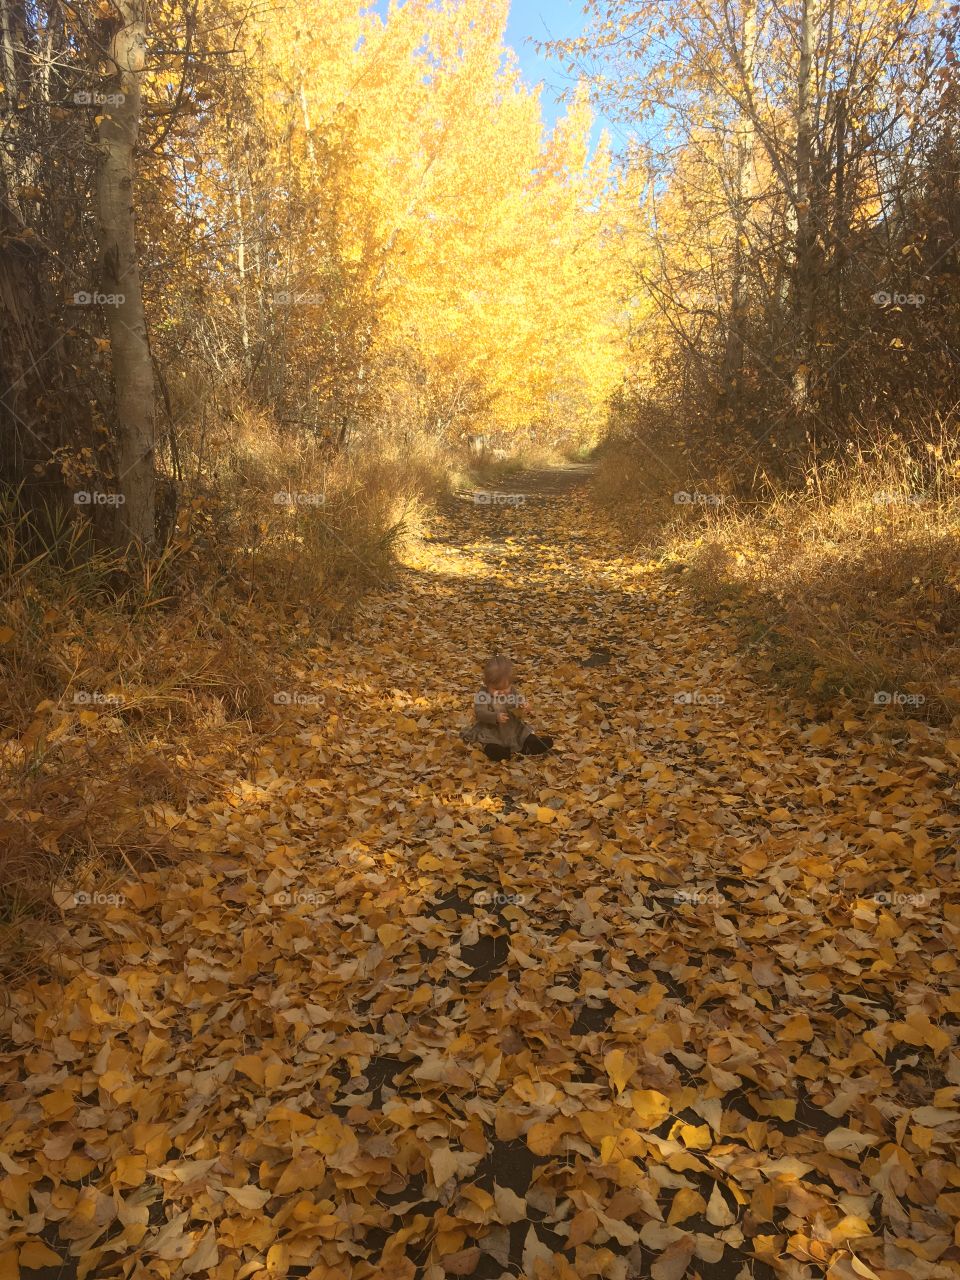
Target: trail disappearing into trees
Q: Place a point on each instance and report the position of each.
(682, 996)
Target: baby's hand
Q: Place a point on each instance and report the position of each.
(502, 718)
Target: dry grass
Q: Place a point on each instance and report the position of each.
(285, 518)
(850, 583)
(521, 452)
(127, 690)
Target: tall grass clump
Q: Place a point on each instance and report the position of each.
(847, 576)
(130, 683)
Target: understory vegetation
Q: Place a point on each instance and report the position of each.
(847, 577)
(347, 377)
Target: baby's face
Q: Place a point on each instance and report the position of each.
(503, 686)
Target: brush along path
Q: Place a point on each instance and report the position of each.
(681, 999)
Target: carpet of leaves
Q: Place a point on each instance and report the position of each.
(680, 1000)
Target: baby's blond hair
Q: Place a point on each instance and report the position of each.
(497, 668)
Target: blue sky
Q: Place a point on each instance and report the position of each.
(532, 20)
(549, 20)
(544, 20)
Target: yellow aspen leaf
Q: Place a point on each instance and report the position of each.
(850, 1227)
(597, 1125)
(390, 934)
(619, 1068)
(782, 1108)
(278, 1261)
(248, 1197)
(650, 1107)
(583, 1227)
(673, 1262)
(687, 1202)
(543, 1139)
(651, 998)
(755, 859)
(762, 1202)
(566, 995)
(508, 1124)
(862, 1269)
(719, 1214)
(275, 1072)
(536, 1255)
(695, 1136)
(251, 1066)
(131, 1171)
(328, 1136)
(510, 1207)
(153, 1048)
(58, 1104)
(443, 1164)
(34, 1254)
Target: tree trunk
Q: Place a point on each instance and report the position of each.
(840, 233)
(308, 132)
(10, 97)
(120, 276)
(805, 270)
(744, 139)
(241, 270)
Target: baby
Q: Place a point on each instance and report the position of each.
(497, 725)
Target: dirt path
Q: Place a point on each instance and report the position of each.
(679, 999)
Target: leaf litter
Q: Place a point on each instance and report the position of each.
(679, 1000)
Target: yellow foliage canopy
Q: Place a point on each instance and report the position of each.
(454, 245)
